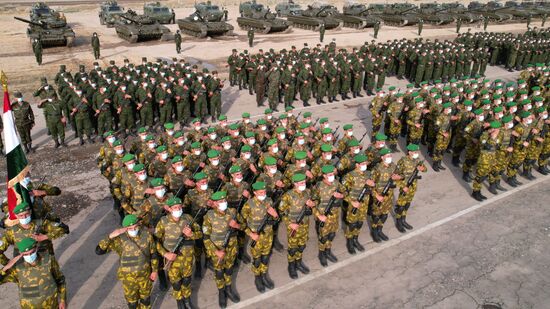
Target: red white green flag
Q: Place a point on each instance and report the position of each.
(16, 160)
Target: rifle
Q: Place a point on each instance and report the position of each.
(328, 210)
(335, 130)
(301, 217)
(389, 185)
(362, 137)
(77, 107)
(414, 175)
(226, 240)
(364, 192)
(261, 228)
(219, 181)
(182, 238)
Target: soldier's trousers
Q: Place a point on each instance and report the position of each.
(165, 113)
(485, 166)
(354, 221)
(289, 96)
(419, 74)
(261, 251)
(232, 76)
(200, 107)
(223, 269)
(381, 210)
(471, 156)
(376, 123)
(215, 105)
(381, 80)
(104, 123)
(297, 242)
(545, 152)
(500, 164)
(146, 116)
(126, 119)
(96, 53)
(83, 124)
(415, 134)
(137, 289)
(516, 160)
(24, 133)
(183, 111)
(273, 97)
(180, 273)
(326, 234)
(394, 131)
(305, 92)
(251, 83)
(532, 154)
(441, 144)
(56, 128)
(38, 57)
(322, 90)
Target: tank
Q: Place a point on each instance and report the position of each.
(160, 13)
(314, 16)
(493, 14)
(139, 28)
(259, 18)
(109, 11)
(399, 14)
(49, 33)
(513, 8)
(459, 11)
(357, 16)
(434, 14)
(288, 8)
(41, 11)
(539, 8)
(201, 26)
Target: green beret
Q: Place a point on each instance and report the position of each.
(434, 90)
(418, 100)
(234, 169)
(507, 118)
(496, 124)
(447, 105)
(540, 109)
(478, 111)
(234, 126)
(454, 95)
(271, 142)
(298, 134)
(380, 137)
(538, 99)
(246, 148)
(415, 94)
(157, 182)
(304, 125)
(298, 177)
(218, 196)
(468, 91)
(246, 115)
(149, 138)
(117, 143)
(410, 85)
(108, 133)
(498, 109)
(161, 149)
(300, 155)
(511, 103)
(178, 134)
(212, 153)
(510, 94)
(289, 108)
(391, 88)
(173, 201)
(348, 126)
(195, 120)
(268, 111)
(168, 126)
(249, 134)
(129, 220)
(521, 81)
(128, 157)
(423, 83)
(270, 161)
(468, 103)
(353, 143)
(360, 158)
(258, 186)
(437, 97)
(323, 120)
(413, 147)
(222, 117)
(142, 130)
(199, 176)
(177, 159)
(326, 148)
(326, 131)
(307, 114)
(525, 114)
(497, 96)
(138, 168)
(26, 244)
(384, 151)
(282, 116)
(23, 206)
(225, 139)
(523, 91)
(195, 145)
(327, 169)
(484, 92)
(211, 130)
(262, 121)
(398, 95)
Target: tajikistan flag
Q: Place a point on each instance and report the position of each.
(16, 160)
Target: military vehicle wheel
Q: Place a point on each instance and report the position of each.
(70, 41)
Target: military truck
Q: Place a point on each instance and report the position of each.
(314, 16)
(159, 12)
(109, 12)
(50, 32)
(256, 16)
(139, 28)
(205, 21)
(288, 8)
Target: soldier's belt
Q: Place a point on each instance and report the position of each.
(30, 291)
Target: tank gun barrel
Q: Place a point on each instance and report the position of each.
(407, 10)
(39, 24)
(321, 10)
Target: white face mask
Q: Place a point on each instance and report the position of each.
(468, 108)
(160, 193)
(513, 109)
(275, 149)
(111, 139)
(130, 166)
(481, 118)
(197, 152)
(356, 151)
(388, 160)
(362, 168)
(544, 116)
(164, 156)
(142, 177)
(302, 188)
(119, 151)
(133, 233)
(301, 142)
(30, 258)
(282, 136)
(302, 164)
(213, 136)
(528, 121)
(235, 133)
(261, 197)
(177, 213)
(510, 125)
(180, 143)
(21, 99)
(227, 146)
(247, 156)
(415, 156)
(222, 206)
(247, 121)
(170, 132)
(215, 162)
(263, 128)
(308, 120)
(329, 138)
(252, 141)
(47, 87)
(179, 168)
(197, 128)
(25, 220)
(204, 187)
(152, 145)
(328, 157)
(349, 133)
(272, 170)
(330, 178)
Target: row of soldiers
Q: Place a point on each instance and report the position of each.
(213, 190)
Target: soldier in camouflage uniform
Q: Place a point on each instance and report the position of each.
(55, 119)
(24, 120)
(521, 132)
(442, 127)
(472, 131)
(176, 234)
(38, 276)
(138, 260)
(220, 241)
(489, 142)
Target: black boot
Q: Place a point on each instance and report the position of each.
(222, 298)
(30, 148)
(543, 170)
(277, 244)
(302, 267)
(359, 94)
(232, 294)
(441, 168)
(350, 246)
(292, 270)
(456, 161)
(90, 140)
(243, 256)
(477, 196)
(405, 223)
(357, 245)
(330, 256)
(163, 282)
(268, 283)
(382, 235)
(466, 177)
(259, 284)
(63, 143)
(435, 166)
(528, 174)
(198, 269)
(188, 304)
(180, 304)
(493, 188)
(334, 99)
(499, 187)
(306, 103)
(26, 148)
(375, 235)
(323, 258)
(399, 225)
(81, 141)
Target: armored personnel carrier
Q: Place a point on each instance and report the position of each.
(259, 18)
(205, 21)
(138, 28)
(160, 13)
(357, 16)
(399, 14)
(314, 16)
(109, 12)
